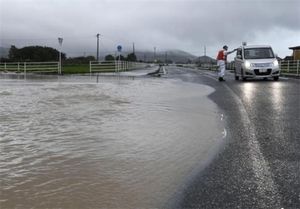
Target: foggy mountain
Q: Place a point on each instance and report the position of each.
(4, 52)
(205, 60)
(177, 56)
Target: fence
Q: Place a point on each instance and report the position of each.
(115, 66)
(30, 67)
(290, 67)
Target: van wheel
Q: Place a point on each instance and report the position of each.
(276, 78)
(242, 75)
(236, 76)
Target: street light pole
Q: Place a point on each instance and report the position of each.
(60, 40)
(98, 47)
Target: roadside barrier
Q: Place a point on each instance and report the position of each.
(30, 67)
(290, 67)
(115, 66)
(187, 65)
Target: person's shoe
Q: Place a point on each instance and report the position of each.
(221, 79)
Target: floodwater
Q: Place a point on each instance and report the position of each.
(118, 143)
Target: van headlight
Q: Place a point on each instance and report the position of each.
(275, 63)
(247, 64)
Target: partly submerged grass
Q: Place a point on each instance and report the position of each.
(84, 68)
(75, 69)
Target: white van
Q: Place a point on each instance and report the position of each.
(256, 61)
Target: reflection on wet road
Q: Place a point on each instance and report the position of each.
(115, 144)
(260, 164)
(274, 112)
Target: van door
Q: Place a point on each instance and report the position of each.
(238, 60)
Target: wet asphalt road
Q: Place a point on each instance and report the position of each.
(259, 164)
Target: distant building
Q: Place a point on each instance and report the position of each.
(296, 52)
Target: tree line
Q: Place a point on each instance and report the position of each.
(34, 54)
(46, 54)
(130, 57)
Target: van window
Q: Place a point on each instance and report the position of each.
(239, 52)
(258, 53)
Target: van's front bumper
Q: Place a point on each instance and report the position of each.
(262, 72)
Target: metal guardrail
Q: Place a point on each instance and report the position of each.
(30, 67)
(115, 66)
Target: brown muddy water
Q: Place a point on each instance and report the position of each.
(119, 143)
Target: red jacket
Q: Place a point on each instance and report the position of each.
(222, 55)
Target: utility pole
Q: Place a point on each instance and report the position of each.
(154, 55)
(166, 56)
(204, 50)
(98, 46)
(60, 41)
(133, 49)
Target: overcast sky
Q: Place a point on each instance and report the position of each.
(188, 25)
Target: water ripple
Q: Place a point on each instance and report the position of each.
(84, 145)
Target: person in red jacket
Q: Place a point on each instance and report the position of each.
(221, 61)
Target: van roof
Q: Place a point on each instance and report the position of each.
(256, 46)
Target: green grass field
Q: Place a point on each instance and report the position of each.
(75, 69)
(66, 69)
(52, 68)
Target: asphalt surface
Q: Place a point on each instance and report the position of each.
(259, 165)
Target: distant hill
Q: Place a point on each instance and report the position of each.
(176, 56)
(4, 52)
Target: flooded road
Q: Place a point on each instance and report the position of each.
(119, 143)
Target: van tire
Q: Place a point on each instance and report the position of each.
(276, 78)
(235, 75)
(242, 75)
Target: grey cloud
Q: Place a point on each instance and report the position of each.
(166, 24)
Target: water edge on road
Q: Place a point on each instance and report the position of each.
(120, 143)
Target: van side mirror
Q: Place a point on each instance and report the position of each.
(238, 56)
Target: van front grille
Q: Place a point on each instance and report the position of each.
(268, 72)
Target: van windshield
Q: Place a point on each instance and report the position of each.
(258, 53)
